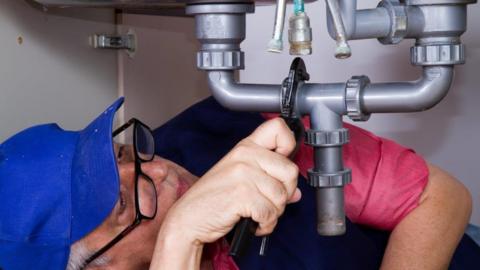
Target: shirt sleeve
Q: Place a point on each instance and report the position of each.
(387, 179)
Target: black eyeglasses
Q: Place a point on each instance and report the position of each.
(145, 191)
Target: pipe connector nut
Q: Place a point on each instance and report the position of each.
(353, 97)
(322, 180)
(398, 21)
(319, 138)
(220, 60)
(428, 55)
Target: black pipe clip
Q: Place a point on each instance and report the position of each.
(288, 111)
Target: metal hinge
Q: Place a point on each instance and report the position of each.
(118, 42)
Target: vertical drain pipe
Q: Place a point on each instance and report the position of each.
(328, 176)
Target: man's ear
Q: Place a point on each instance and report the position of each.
(123, 213)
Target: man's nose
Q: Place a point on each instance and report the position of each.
(155, 169)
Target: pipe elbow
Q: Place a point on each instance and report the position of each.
(243, 97)
(413, 96)
(220, 84)
(432, 87)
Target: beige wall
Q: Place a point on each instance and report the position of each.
(161, 79)
(48, 71)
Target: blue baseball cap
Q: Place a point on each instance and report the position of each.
(56, 186)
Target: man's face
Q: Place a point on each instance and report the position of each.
(135, 250)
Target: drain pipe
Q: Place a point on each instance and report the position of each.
(414, 96)
(220, 28)
(243, 97)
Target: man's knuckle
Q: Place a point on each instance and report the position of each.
(241, 151)
(239, 169)
(267, 228)
(281, 195)
(278, 123)
(292, 170)
(242, 190)
(265, 214)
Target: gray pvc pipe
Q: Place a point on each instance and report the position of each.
(362, 24)
(330, 211)
(243, 97)
(331, 95)
(443, 21)
(418, 95)
(330, 200)
(413, 96)
(371, 23)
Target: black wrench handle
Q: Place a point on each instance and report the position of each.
(244, 233)
(246, 227)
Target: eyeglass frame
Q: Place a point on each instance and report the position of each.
(138, 172)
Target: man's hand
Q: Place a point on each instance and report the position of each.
(255, 179)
